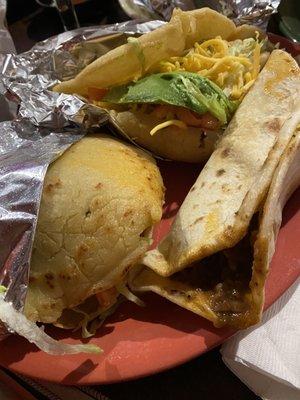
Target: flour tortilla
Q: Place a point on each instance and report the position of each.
(239, 311)
(99, 203)
(285, 181)
(254, 160)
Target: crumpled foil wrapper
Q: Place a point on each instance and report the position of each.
(253, 12)
(45, 125)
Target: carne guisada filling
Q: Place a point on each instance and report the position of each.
(221, 280)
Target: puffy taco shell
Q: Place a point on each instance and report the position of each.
(124, 64)
(174, 143)
(99, 203)
(133, 60)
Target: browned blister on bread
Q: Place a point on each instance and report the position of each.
(99, 203)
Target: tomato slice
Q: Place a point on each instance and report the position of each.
(190, 118)
(206, 121)
(96, 93)
(162, 110)
(107, 297)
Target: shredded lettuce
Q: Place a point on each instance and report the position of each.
(246, 47)
(242, 47)
(97, 323)
(91, 322)
(182, 89)
(87, 318)
(123, 289)
(19, 324)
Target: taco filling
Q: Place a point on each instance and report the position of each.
(201, 88)
(174, 90)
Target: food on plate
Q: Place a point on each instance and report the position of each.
(174, 90)
(100, 201)
(215, 259)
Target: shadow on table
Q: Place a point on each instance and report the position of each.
(83, 369)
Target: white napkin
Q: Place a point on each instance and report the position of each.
(267, 357)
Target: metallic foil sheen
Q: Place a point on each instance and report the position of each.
(45, 125)
(254, 12)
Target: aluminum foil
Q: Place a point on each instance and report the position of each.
(254, 12)
(150, 9)
(46, 124)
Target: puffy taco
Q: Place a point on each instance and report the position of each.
(99, 203)
(216, 257)
(175, 89)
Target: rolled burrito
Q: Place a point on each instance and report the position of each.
(215, 259)
(99, 203)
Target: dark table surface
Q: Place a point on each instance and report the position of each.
(204, 378)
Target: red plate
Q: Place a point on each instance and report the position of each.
(142, 341)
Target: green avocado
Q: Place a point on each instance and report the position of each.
(182, 89)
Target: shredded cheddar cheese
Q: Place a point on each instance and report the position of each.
(175, 122)
(233, 66)
(256, 61)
